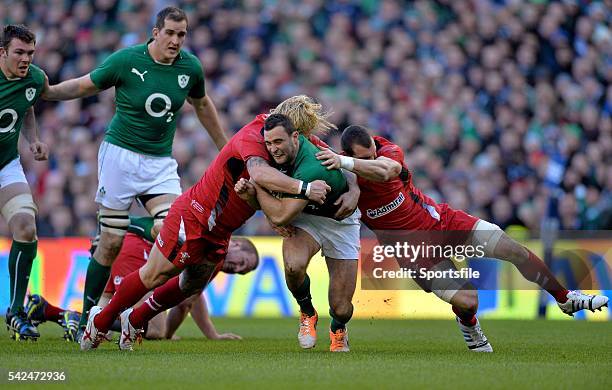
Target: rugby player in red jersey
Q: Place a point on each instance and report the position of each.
(195, 236)
(390, 201)
(242, 258)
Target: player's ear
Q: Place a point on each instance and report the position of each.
(155, 32)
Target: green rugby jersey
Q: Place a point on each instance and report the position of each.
(16, 97)
(148, 96)
(307, 168)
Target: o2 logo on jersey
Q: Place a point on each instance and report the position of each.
(166, 104)
(11, 127)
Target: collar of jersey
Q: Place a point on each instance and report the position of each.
(146, 52)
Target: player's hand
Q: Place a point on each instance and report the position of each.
(318, 191)
(245, 189)
(40, 150)
(348, 203)
(283, 231)
(225, 336)
(329, 159)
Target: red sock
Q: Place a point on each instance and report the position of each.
(164, 297)
(467, 319)
(535, 270)
(130, 291)
(53, 313)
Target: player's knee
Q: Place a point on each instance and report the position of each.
(152, 278)
(23, 227)
(108, 248)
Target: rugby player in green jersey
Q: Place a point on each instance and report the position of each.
(21, 84)
(152, 81)
(314, 229)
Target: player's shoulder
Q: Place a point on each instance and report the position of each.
(386, 148)
(254, 128)
(37, 74)
(191, 61)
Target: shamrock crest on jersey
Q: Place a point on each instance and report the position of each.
(30, 93)
(183, 80)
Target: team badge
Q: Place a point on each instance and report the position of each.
(30, 93)
(183, 79)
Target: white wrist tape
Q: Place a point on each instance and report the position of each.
(347, 163)
(308, 190)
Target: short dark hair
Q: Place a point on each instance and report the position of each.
(172, 13)
(279, 120)
(18, 31)
(248, 246)
(355, 134)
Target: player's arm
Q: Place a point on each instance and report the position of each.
(70, 89)
(274, 180)
(199, 313)
(30, 132)
(382, 169)
(348, 201)
(207, 114)
(143, 227)
(279, 211)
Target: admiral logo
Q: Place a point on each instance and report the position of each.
(160, 242)
(198, 207)
(386, 209)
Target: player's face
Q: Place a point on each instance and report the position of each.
(364, 153)
(18, 57)
(281, 146)
(170, 38)
(237, 260)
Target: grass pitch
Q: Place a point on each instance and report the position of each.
(384, 354)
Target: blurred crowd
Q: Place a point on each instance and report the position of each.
(497, 104)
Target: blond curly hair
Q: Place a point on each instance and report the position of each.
(307, 115)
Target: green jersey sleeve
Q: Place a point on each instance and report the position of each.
(108, 74)
(142, 226)
(198, 90)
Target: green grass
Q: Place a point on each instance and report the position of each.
(384, 354)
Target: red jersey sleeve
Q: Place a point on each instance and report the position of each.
(251, 145)
(393, 152)
(318, 142)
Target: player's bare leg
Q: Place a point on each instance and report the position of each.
(18, 210)
(342, 283)
(297, 252)
(535, 270)
(158, 207)
(113, 227)
(191, 280)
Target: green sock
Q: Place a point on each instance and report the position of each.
(95, 281)
(335, 324)
(20, 262)
(303, 298)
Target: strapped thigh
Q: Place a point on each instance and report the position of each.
(19, 204)
(114, 221)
